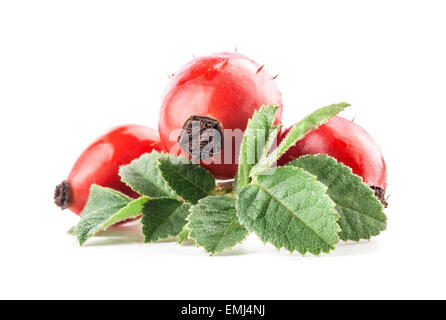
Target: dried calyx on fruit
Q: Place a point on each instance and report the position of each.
(201, 137)
(62, 195)
(381, 195)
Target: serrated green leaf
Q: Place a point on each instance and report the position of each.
(309, 123)
(144, 177)
(260, 132)
(163, 218)
(183, 236)
(214, 225)
(190, 181)
(361, 213)
(106, 207)
(289, 208)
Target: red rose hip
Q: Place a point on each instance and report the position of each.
(218, 92)
(351, 145)
(99, 164)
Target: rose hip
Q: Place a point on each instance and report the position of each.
(351, 145)
(99, 164)
(216, 93)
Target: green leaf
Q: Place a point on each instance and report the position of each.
(106, 207)
(361, 213)
(308, 124)
(184, 235)
(190, 181)
(163, 218)
(144, 177)
(259, 134)
(289, 208)
(214, 225)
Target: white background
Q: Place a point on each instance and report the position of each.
(69, 70)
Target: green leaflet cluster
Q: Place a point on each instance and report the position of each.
(306, 206)
(169, 186)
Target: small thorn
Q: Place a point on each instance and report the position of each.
(169, 76)
(275, 77)
(236, 49)
(260, 69)
(354, 118)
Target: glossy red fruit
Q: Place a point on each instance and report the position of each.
(100, 162)
(222, 91)
(350, 144)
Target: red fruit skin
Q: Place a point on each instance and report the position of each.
(99, 163)
(347, 142)
(228, 87)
